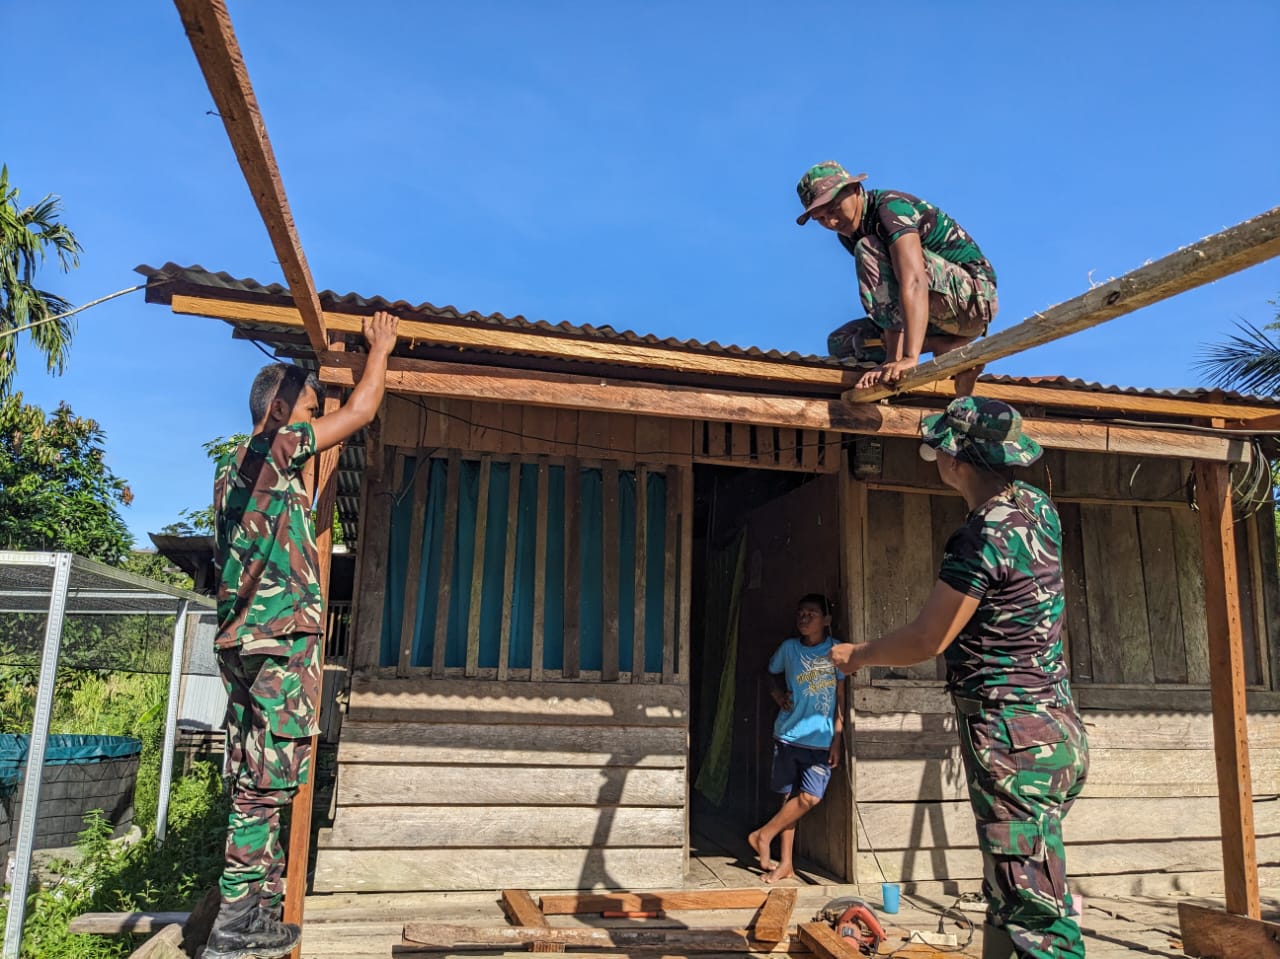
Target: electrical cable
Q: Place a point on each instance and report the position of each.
(79, 309)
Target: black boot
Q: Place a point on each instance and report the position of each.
(244, 930)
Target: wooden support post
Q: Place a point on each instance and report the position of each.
(448, 550)
(670, 555)
(413, 567)
(1227, 684)
(477, 569)
(300, 810)
(1244, 245)
(208, 26)
(609, 534)
(571, 643)
(641, 566)
(539, 572)
(509, 569)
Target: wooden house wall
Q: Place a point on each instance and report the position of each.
(1137, 645)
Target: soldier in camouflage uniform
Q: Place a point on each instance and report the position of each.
(270, 616)
(997, 612)
(925, 284)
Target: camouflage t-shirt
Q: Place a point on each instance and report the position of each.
(1007, 556)
(890, 213)
(264, 542)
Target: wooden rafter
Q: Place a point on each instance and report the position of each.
(1246, 244)
(431, 378)
(208, 26)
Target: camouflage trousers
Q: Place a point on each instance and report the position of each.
(1025, 766)
(271, 717)
(960, 304)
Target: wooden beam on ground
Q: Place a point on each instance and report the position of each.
(118, 923)
(165, 944)
(1209, 933)
(1081, 399)
(1227, 688)
(1246, 244)
(576, 904)
(426, 377)
(775, 915)
(446, 937)
(823, 942)
(299, 850)
(208, 26)
(504, 339)
(523, 911)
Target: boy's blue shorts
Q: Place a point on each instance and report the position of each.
(800, 769)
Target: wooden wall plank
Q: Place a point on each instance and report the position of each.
(1248, 606)
(413, 568)
(458, 827)
(535, 744)
(404, 870)
(558, 703)
(1160, 574)
(448, 551)
(395, 785)
(457, 427)
(477, 567)
(1118, 627)
(740, 444)
(653, 440)
(609, 574)
(767, 445)
(1269, 570)
(509, 441)
(717, 439)
(620, 441)
(566, 432)
(670, 553)
(540, 570)
(593, 435)
(539, 429)
(1191, 601)
(810, 443)
(371, 590)
(920, 571)
(641, 562)
(486, 423)
(681, 433)
(572, 567)
(509, 569)
(1076, 594)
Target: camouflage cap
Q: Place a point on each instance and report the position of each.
(820, 184)
(981, 432)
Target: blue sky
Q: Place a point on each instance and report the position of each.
(630, 164)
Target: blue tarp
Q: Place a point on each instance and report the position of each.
(66, 748)
(590, 609)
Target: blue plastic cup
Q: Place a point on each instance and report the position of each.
(889, 892)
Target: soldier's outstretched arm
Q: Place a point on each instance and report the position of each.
(359, 411)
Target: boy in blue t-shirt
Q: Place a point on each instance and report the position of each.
(808, 733)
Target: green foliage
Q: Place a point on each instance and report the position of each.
(1248, 360)
(27, 236)
(110, 876)
(154, 566)
(56, 491)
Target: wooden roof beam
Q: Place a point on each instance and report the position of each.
(208, 26)
(1214, 257)
(466, 381)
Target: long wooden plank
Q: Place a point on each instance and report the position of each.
(480, 743)
(213, 39)
(116, 923)
(1160, 573)
(404, 870)
(609, 535)
(823, 942)
(472, 827)
(373, 546)
(1227, 681)
(413, 568)
(555, 703)
(704, 939)
(1220, 935)
(640, 569)
(448, 551)
(1229, 251)
(165, 944)
(775, 916)
(575, 904)
(572, 568)
(509, 569)
(521, 909)
(540, 571)
(477, 567)
(1073, 398)
(392, 785)
(572, 393)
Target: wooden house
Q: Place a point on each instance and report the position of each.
(576, 548)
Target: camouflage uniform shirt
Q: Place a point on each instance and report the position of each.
(1007, 556)
(265, 547)
(889, 214)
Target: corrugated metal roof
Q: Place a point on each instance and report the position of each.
(166, 281)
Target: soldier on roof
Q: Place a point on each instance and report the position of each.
(925, 284)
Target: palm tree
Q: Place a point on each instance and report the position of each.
(27, 237)
(1248, 361)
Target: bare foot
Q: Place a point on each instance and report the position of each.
(779, 872)
(762, 850)
(966, 380)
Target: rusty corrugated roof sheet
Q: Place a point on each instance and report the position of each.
(166, 281)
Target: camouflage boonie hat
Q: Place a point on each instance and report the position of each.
(981, 432)
(820, 184)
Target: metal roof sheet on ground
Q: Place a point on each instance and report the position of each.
(171, 279)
